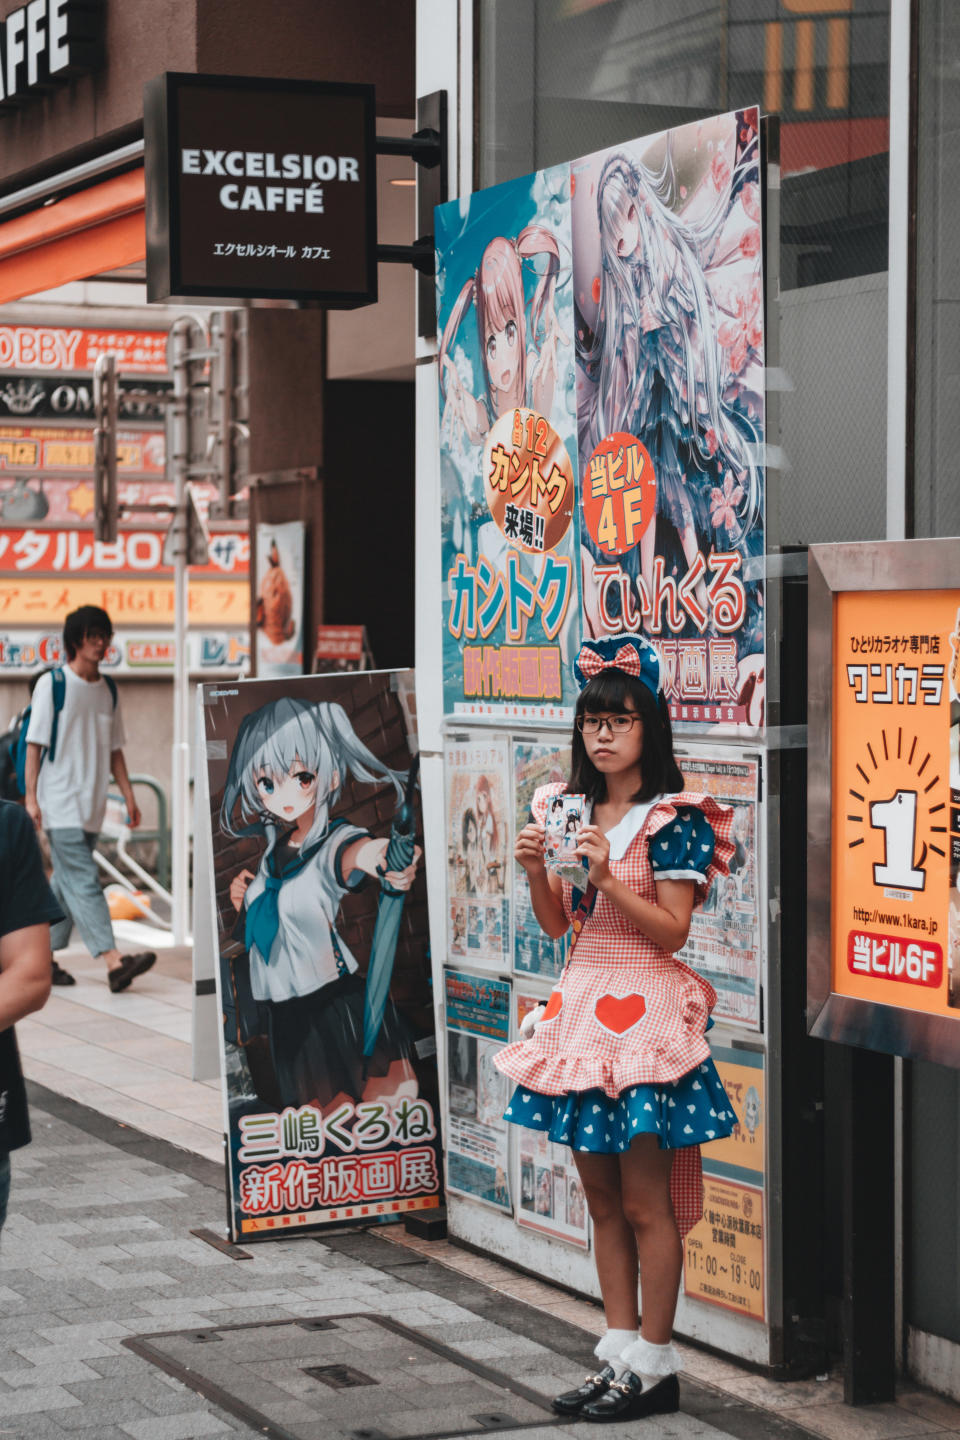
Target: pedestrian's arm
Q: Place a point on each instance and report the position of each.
(25, 970)
(31, 774)
(119, 767)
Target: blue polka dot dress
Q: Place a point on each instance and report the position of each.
(689, 1111)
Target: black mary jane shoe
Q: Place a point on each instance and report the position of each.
(571, 1402)
(626, 1399)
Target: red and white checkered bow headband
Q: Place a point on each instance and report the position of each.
(630, 653)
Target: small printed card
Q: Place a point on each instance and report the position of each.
(565, 816)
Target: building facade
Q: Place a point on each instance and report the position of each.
(859, 367)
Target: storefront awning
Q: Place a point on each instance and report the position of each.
(100, 228)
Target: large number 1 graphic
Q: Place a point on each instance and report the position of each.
(897, 818)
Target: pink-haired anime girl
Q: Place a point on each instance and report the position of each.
(513, 373)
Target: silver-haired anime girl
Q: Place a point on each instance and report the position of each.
(653, 364)
(287, 768)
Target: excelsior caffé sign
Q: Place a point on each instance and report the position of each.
(260, 189)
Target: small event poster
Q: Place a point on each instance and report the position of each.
(725, 943)
(607, 314)
(478, 1025)
(508, 450)
(341, 647)
(279, 609)
(895, 816)
(534, 764)
(551, 1197)
(479, 847)
(724, 1255)
(319, 895)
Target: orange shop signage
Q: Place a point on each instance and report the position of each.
(896, 816)
(50, 447)
(38, 602)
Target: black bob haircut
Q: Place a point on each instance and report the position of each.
(79, 624)
(609, 693)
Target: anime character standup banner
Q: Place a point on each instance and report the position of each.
(508, 450)
(623, 291)
(480, 863)
(280, 553)
(324, 976)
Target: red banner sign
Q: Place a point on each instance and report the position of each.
(56, 348)
(75, 552)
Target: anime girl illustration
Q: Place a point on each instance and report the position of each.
(488, 836)
(470, 858)
(517, 370)
(668, 352)
(288, 765)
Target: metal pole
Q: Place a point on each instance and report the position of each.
(178, 465)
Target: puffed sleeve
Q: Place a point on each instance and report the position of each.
(683, 849)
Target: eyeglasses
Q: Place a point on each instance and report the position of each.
(616, 724)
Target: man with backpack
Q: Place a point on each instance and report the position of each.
(74, 740)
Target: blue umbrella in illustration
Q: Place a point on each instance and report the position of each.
(399, 854)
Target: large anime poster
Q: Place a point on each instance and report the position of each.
(324, 975)
(636, 309)
(668, 282)
(508, 450)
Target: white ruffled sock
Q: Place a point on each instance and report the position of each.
(652, 1363)
(610, 1348)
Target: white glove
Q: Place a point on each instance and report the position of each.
(530, 1022)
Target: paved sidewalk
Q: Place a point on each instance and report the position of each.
(98, 1249)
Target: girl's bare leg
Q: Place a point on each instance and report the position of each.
(614, 1241)
(648, 1209)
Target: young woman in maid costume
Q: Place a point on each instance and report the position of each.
(616, 1065)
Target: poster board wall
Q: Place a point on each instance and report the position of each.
(527, 717)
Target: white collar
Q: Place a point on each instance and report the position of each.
(623, 834)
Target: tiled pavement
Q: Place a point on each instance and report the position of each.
(98, 1248)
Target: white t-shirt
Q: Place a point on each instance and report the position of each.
(72, 789)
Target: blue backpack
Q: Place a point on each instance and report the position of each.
(15, 745)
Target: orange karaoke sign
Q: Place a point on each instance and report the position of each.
(895, 823)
